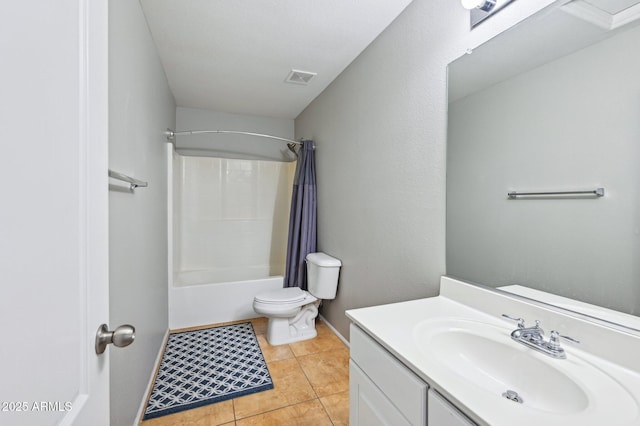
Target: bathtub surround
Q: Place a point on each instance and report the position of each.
(230, 219)
(303, 217)
(229, 213)
(228, 236)
(228, 226)
(140, 107)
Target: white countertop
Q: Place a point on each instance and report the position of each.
(394, 327)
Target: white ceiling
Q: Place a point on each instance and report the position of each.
(234, 55)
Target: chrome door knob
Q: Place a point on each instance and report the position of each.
(120, 337)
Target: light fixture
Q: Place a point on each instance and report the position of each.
(485, 5)
(479, 10)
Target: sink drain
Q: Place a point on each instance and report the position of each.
(513, 396)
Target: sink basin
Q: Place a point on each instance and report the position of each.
(483, 355)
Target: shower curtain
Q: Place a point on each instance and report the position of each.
(302, 219)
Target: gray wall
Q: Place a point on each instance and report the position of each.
(569, 124)
(380, 130)
(140, 108)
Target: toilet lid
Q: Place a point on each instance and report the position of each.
(282, 295)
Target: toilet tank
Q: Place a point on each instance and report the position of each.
(322, 275)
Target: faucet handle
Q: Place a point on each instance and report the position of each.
(520, 320)
(554, 339)
(537, 326)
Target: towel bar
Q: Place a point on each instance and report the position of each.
(598, 192)
(134, 183)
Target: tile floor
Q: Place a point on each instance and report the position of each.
(311, 387)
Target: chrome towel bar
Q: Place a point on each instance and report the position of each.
(598, 192)
(134, 183)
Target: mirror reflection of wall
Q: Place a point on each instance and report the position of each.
(569, 124)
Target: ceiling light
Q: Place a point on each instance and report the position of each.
(485, 5)
(479, 10)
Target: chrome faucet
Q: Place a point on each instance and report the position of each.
(533, 337)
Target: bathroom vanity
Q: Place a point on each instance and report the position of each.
(383, 391)
(454, 360)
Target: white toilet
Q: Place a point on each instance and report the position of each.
(292, 311)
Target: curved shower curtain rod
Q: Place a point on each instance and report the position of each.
(171, 134)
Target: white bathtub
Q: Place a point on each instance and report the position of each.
(222, 275)
(202, 297)
(202, 304)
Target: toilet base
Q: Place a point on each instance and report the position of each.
(282, 331)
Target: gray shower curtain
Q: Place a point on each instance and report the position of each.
(302, 219)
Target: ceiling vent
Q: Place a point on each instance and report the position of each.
(300, 77)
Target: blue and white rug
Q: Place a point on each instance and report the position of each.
(205, 366)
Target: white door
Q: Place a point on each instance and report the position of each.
(53, 212)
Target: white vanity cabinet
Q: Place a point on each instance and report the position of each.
(368, 404)
(383, 391)
(443, 413)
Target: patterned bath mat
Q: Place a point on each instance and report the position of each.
(205, 366)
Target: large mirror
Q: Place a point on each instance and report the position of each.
(552, 105)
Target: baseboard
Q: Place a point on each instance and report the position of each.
(332, 328)
(152, 379)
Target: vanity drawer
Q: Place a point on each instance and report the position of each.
(401, 386)
(368, 405)
(443, 413)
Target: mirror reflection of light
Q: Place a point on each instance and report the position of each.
(483, 9)
(485, 5)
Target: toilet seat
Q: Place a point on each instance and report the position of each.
(282, 302)
(292, 311)
(283, 296)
